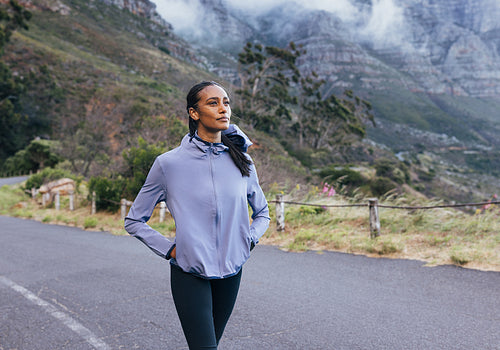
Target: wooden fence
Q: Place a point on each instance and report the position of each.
(124, 203)
(372, 206)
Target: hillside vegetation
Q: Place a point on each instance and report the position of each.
(98, 79)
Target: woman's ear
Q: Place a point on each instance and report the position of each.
(193, 113)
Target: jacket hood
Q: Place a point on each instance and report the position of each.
(238, 137)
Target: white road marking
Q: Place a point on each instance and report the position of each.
(68, 321)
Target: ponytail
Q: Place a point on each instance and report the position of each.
(239, 158)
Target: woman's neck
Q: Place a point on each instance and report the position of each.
(211, 137)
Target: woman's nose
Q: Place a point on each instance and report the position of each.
(223, 108)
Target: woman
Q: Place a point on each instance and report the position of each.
(207, 183)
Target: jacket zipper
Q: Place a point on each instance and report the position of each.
(217, 214)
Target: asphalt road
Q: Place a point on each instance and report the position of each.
(65, 288)
(12, 180)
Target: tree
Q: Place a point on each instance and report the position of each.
(127, 183)
(139, 161)
(36, 156)
(265, 75)
(12, 123)
(12, 17)
(331, 122)
(86, 141)
(275, 95)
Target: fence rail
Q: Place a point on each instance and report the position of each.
(372, 205)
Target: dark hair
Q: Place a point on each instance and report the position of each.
(237, 155)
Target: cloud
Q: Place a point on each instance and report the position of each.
(386, 25)
(256, 7)
(383, 25)
(184, 15)
(344, 9)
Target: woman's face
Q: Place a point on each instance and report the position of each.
(213, 111)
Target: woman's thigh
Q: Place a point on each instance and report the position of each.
(224, 293)
(193, 300)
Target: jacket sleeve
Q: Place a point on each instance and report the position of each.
(151, 193)
(260, 209)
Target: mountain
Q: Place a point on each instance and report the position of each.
(421, 63)
(431, 69)
(105, 72)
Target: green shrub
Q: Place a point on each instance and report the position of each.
(459, 256)
(139, 161)
(381, 185)
(47, 175)
(345, 176)
(37, 155)
(311, 210)
(89, 222)
(109, 192)
(394, 170)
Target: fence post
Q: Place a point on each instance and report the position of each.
(45, 198)
(71, 200)
(280, 213)
(33, 193)
(93, 203)
(374, 219)
(163, 209)
(58, 201)
(123, 208)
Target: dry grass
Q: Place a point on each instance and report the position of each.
(437, 236)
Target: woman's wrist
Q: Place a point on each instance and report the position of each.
(171, 253)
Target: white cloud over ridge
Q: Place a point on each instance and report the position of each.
(184, 15)
(384, 25)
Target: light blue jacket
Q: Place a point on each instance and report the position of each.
(208, 199)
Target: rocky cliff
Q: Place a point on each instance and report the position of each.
(439, 47)
(143, 8)
(423, 63)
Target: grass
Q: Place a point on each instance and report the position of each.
(437, 236)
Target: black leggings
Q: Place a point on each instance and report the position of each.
(203, 306)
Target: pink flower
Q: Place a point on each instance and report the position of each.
(331, 192)
(325, 188)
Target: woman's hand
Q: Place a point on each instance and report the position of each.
(172, 253)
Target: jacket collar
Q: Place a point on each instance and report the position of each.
(233, 132)
(202, 145)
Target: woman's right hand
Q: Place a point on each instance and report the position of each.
(172, 253)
